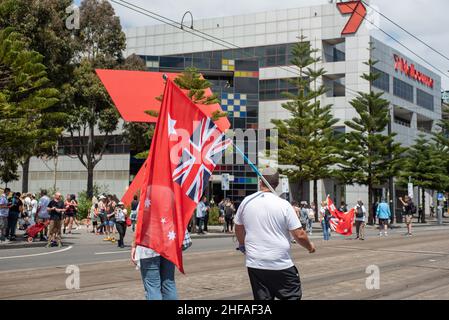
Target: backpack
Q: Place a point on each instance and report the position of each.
(359, 212)
(229, 212)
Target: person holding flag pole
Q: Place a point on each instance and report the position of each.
(264, 223)
(186, 147)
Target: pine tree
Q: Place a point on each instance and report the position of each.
(426, 167)
(371, 155)
(24, 100)
(42, 26)
(442, 142)
(307, 143)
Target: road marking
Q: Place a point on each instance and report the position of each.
(112, 252)
(36, 254)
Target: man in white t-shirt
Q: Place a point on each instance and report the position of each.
(264, 223)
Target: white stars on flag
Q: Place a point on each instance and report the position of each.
(171, 235)
(171, 126)
(147, 203)
(163, 220)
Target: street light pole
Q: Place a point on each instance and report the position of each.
(391, 187)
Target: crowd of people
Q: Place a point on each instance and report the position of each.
(46, 219)
(382, 215)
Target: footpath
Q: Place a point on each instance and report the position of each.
(213, 232)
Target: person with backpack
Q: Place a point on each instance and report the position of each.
(360, 220)
(384, 215)
(229, 211)
(325, 218)
(408, 210)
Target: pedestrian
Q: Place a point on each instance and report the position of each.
(201, 210)
(71, 206)
(120, 222)
(4, 213)
(310, 219)
(94, 216)
(15, 211)
(384, 215)
(42, 213)
(304, 215)
(157, 272)
(408, 210)
(360, 220)
(34, 205)
(421, 214)
(133, 216)
(102, 210)
(375, 205)
(206, 216)
(325, 218)
(111, 218)
(27, 211)
(229, 210)
(343, 207)
(264, 223)
(56, 208)
(221, 214)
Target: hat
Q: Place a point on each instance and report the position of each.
(101, 197)
(272, 176)
(120, 204)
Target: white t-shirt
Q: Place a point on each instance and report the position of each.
(33, 206)
(267, 220)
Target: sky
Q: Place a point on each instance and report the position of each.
(426, 19)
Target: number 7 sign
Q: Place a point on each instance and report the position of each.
(358, 12)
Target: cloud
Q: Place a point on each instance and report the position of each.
(427, 19)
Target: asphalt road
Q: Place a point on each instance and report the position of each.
(410, 268)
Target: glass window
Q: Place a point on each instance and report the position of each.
(171, 62)
(383, 82)
(403, 90)
(425, 100)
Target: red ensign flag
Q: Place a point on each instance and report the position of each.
(341, 222)
(186, 148)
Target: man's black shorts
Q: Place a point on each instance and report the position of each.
(271, 284)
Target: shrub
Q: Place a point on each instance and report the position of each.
(214, 213)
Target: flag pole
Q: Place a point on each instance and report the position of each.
(252, 165)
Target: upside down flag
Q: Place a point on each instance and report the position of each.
(186, 148)
(341, 222)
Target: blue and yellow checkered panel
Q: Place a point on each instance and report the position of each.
(234, 104)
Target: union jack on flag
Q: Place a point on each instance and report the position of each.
(199, 158)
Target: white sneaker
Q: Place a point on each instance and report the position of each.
(386, 234)
(380, 235)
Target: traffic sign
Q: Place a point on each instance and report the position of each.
(225, 182)
(410, 190)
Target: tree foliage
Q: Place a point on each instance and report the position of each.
(371, 155)
(307, 143)
(100, 43)
(42, 26)
(24, 99)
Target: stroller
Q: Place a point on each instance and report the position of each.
(35, 229)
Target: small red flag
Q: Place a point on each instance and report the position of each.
(186, 148)
(341, 222)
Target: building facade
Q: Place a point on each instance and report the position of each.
(251, 69)
(413, 91)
